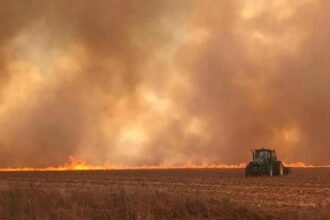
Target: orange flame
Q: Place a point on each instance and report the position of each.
(78, 164)
(75, 164)
(303, 165)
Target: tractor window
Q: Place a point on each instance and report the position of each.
(262, 154)
(274, 155)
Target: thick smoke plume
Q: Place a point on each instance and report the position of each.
(163, 82)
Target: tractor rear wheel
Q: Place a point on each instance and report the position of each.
(247, 172)
(270, 171)
(281, 170)
(278, 168)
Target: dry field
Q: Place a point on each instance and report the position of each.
(164, 194)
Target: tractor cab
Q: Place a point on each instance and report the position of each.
(264, 154)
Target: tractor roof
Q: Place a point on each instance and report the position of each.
(264, 149)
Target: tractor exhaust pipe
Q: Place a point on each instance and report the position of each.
(252, 154)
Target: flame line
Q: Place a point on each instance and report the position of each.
(75, 164)
(303, 165)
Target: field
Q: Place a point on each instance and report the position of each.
(165, 194)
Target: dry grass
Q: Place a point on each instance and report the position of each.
(34, 203)
(164, 194)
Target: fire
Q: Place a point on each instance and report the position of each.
(303, 165)
(75, 164)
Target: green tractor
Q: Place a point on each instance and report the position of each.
(265, 163)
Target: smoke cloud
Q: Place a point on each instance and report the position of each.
(164, 82)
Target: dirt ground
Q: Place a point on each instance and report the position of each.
(304, 194)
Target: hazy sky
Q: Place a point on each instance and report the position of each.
(140, 82)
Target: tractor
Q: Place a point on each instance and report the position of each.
(264, 163)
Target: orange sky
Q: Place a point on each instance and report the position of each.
(163, 82)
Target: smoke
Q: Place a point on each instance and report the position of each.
(165, 82)
(259, 78)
